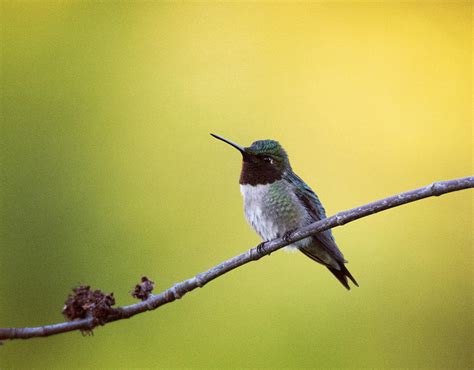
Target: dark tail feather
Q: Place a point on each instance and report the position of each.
(342, 275)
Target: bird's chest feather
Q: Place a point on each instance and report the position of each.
(272, 209)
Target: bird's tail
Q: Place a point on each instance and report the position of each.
(341, 274)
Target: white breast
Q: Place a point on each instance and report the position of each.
(256, 210)
(269, 219)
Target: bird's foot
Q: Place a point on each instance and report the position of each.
(287, 236)
(260, 248)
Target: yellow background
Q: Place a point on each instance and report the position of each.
(108, 172)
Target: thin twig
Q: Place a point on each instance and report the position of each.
(178, 290)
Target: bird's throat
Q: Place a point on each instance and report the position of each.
(258, 174)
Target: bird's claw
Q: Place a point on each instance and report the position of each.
(287, 236)
(260, 248)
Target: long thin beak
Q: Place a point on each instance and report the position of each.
(236, 146)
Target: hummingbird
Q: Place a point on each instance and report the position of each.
(277, 202)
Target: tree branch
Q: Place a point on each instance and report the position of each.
(180, 289)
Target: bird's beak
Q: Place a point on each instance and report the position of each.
(241, 149)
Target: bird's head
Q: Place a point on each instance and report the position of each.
(263, 162)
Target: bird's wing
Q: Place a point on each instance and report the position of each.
(317, 212)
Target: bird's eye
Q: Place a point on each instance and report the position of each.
(268, 159)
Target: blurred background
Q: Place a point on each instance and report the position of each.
(108, 173)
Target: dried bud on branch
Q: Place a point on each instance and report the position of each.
(84, 302)
(143, 290)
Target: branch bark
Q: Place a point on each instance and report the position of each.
(178, 290)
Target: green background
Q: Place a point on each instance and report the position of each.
(108, 173)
